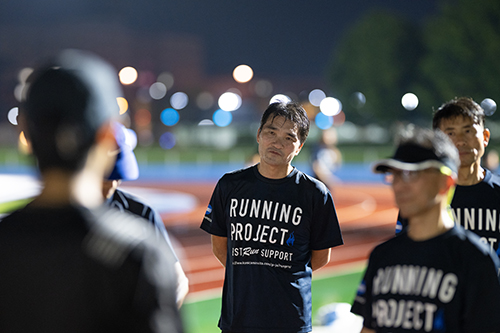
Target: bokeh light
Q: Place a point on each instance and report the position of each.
(323, 121)
(127, 75)
(143, 95)
(205, 100)
(358, 100)
(330, 106)
(12, 115)
(280, 98)
(229, 101)
(263, 88)
(489, 106)
(167, 140)
(243, 73)
(19, 91)
(409, 101)
(222, 118)
(167, 79)
(146, 78)
(157, 90)
(316, 96)
(179, 100)
(24, 73)
(122, 104)
(339, 119)
(145, 137)
(169, 117)
(206, 122)
(142, 117)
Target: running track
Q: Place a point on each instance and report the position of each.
(366, 213)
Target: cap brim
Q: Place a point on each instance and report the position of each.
(384, 165)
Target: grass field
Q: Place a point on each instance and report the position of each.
(6, 207)
(202, 316)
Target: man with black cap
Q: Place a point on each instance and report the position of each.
(436, 277)
(127, 168)
(70, 264)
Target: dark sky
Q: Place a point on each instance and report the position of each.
(275, 37)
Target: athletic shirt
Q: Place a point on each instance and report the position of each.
(69, 269)
(445, 284)
(127, 202)
(476, 208)
(271, 225)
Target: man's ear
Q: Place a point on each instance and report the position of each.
(24, 139)
(258, 134)
(106, 135)
(300, 148)
(486, 136)
(448, 183)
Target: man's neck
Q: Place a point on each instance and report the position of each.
(430, 224)
(62, 188)
(470, 175)
(274, 172)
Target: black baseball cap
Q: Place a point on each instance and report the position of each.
(414, 157)
(74, 87)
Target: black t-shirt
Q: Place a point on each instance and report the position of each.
(272, 225)
(445, 284)
(476, 208)
(127, 202)
(71, 269)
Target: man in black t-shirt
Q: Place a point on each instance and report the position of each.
(271, 227)
(70, 264)
(476, 200)
(436, 276)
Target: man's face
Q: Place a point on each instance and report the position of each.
(469, 138)
(278, 142)
(416, 192)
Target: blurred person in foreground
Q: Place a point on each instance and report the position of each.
(476, 200)
(271, 227)
(69, 263)
(126, 168)
(326, 158)
(436, 276)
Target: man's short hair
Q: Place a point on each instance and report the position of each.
(67, 100)
(459, 107)
(291, 111)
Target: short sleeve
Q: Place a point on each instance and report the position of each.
(214, 221)
(482, 296)
(325, 229)
(362, 304)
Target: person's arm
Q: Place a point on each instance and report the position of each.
(319, 258)
(182, 284)
(219, 248)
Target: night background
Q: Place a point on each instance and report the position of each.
(380, 63)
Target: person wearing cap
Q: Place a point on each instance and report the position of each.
(436, 276)
(69, 263)
(271, 226)
(126, 168)
(476, 200)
